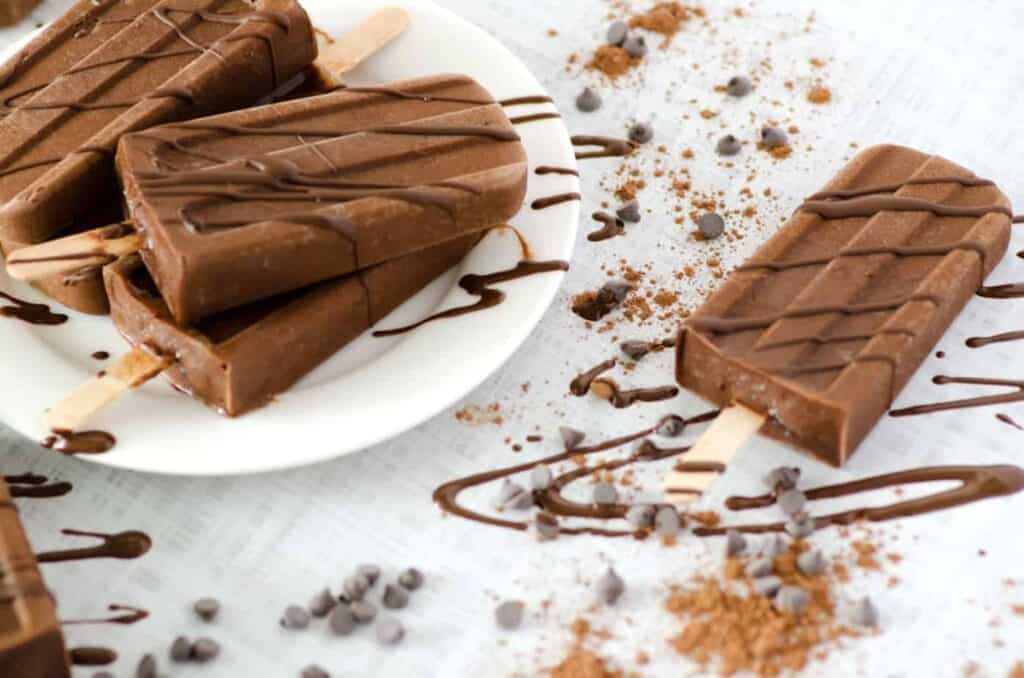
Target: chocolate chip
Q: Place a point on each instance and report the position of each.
(759, 567)
(772, 137)
(635, 350)
(791, 599)
(767, 586)
(617, 33)
(641, 516)
(629, 212)
(782, 478)
(610, 587)
(370, 571)
(364, 611)
(791, 501)
(207, 608)
(739, 86)
(619, 289)
(588, 100)
(735, 543)
(811, 562)
(513, 496)
(776, 546)
(571, 438)
(728, 145)
(671, 426)
(314, 671)
(635, 46)
(509, 615)
(641, 132)
(545, 526)
(541, 477)
(395, 597)
(355, 586)
(865, 613)
(605, 493)
(342, 621)
(411, 579)
(322, 603)
(667, 522)
(181, 649)
(711, 225)
(295, 617)
(800, 526)
(390, 631)
(146, 667)
(205, 649)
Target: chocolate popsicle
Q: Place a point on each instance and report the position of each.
(240, 359)
(31, 642)
(825, 324)
(13, 11)
(316, 188)
(158, 63)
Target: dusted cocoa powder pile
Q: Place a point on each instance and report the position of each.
(612, 60)
(665, 18)
(819, 95)
(481, 414)
(582, 663)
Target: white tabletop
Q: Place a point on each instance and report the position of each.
(940, 76)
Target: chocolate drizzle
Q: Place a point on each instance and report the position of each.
(610, 147)
(580, 385)
(551, 201)
(547, 169)
(1009, 421)
(969, 182)
(34, 314)
(1016, 395)
(1007, 291)
(131, 615)
(868, 206)
(122, 545)
(620, 398)
(80, 442)
(49, 491)
(978, 342)
(92, 656)
(480, 286)
(533, 117)
(611, 226)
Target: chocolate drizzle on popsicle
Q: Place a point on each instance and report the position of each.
(34, 314)
(122, 545)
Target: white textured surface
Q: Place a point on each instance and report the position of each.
(941, 76)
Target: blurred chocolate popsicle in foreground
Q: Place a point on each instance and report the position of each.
(13, 11)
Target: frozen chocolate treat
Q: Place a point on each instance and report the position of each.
(247, 205)
(110, 67)
(13, 11)
(829, 319)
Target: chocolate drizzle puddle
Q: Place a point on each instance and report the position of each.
(131, 615)
(80, 442)
(34, 314)
(1016, 395)
(611, 227)
(480, 286)
(580, 385)
(92, 656)
(620, 398)
(609, 147)
(121, 545)
(1008, 420)
(551, 201)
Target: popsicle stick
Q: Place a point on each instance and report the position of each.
(92, 248)
(356, 46)
(133, 369)
(712, 452)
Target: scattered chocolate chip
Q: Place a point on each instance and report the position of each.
(364, 611)
(322, 603)
(314, 671)
(739, 86)
(735, 543)
(800, 526)
(776, 546)
(641, 516)
(605, 493)
(759, 567)
(773, 137)
(541, 477)
(791, 501)
(635, 46)
(589, 100)
(641, 133)
(619, 289)
(782, 478)
(390, 631)
(791, 599)
(355, 586)
(629, 212)
(667, 522)
(513, 496)
(811, 562)
(610, 587)
(711, 225)
(671, 426)
(767, 586)
(571, 438)
(545, 526)
(181, 649)
(411, 579)
(207, 608)
(617, 33)
(865, 613)
(635, 350)
(295, 617)
(509, 615)
(342, 621)
(205, 649)
(728, 145)
(370, 571)
(395, 597)
(146, 667)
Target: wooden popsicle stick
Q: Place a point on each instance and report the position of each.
(133, 369)
(712, 452)
(362, 42)
(97, 247)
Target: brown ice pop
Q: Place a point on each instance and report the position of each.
(147, 63)
(250, 204)
(825, 324)
(31, 642)
(13, 11)
(241, 359)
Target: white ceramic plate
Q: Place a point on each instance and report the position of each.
(375, 388)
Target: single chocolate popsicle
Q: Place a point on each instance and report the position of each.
(829, 319)
(247, 205)
(13, 11)
(31, 642)
(240, 359)
(149, 63)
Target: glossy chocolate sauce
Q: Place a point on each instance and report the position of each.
(121, 545)
(80, 442)
(34, 314)
(580, 385)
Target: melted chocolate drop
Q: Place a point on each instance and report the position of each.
(42, 491)
(92, 656)
(121, 545)
(1008, 420)
(81, 442)
(34, 314)
(552, 200)
(100, 355)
